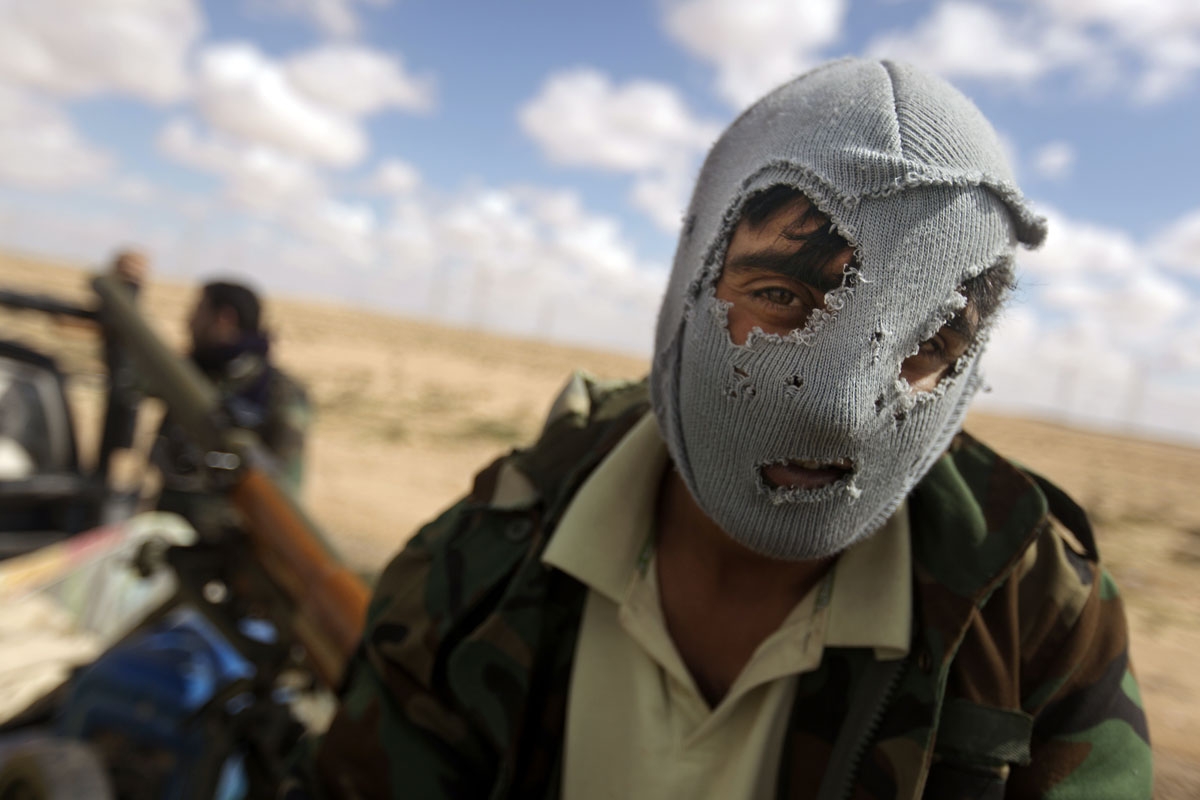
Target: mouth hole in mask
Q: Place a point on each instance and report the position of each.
(795, 480)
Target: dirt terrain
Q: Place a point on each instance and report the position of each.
(408, 411)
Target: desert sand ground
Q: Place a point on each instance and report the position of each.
(407, 412)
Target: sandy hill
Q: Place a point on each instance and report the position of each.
(408, 411)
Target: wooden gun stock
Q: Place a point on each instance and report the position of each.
(330, 602)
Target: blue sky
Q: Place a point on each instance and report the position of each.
(522, 166)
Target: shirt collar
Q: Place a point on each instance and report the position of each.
(606, 531)
(610, 521)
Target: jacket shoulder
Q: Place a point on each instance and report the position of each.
(286, 389)
(1035, 535)
(585, 422)
(458, 567)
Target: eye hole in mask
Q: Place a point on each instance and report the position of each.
(939, 356)
(935, 359)
(786, 270)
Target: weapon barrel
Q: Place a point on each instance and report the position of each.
(192, 399)
(43, 303)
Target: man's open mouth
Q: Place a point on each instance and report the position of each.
(805, 473)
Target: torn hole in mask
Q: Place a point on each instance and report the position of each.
(902, 400)
(720, 310)
(947, 310)
(954, 371)
(793, 386)
(741, 385)
(905, 400)
(933, 357)
(818, 319)
(877, 338)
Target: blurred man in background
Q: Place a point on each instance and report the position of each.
(131, 267)
(777, 569)
(233, 350)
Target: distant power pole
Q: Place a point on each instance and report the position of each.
(1065, 391)
(1135, 395)
(544, 329)
(437, 291)
(480, 285)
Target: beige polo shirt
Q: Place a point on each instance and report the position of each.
(637, 726)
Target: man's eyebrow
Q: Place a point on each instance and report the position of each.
(796, 265)
(964, 323)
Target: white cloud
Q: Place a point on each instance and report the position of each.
(529, 261)
(487, 228)
(394, 176)
(242, 92)
(347, 228)
(358, 80)
(258, 177)
(1134, 307)
(1186, 348)
(135, 189)
(1146, 303)
(755, 46)
(581, 241)
(1152, 49)
(70, 235)
(1179, 245)
(1054, 160)
(310, 105)
(1082, 249)
(580, 118)
(1080, 372)
(1101, 333)
(82, 47)
(275, 186)
(642, 128)
(969, 40)
(1103, 278)
(40, 148)
(664, 195)
(334, 17)
(408, 240)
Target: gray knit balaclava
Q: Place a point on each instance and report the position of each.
(915, 179)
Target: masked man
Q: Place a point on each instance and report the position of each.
(780, 570)
(233, 351)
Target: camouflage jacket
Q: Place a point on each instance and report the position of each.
(1017, 685)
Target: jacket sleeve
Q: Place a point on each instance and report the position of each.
(1089, 737)
(394, 733)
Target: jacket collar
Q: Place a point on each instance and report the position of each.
(978, 514)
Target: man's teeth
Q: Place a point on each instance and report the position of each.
(809, 464)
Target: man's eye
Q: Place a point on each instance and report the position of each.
(933, 347)
(778, 296)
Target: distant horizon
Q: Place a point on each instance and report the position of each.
(984, 402)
